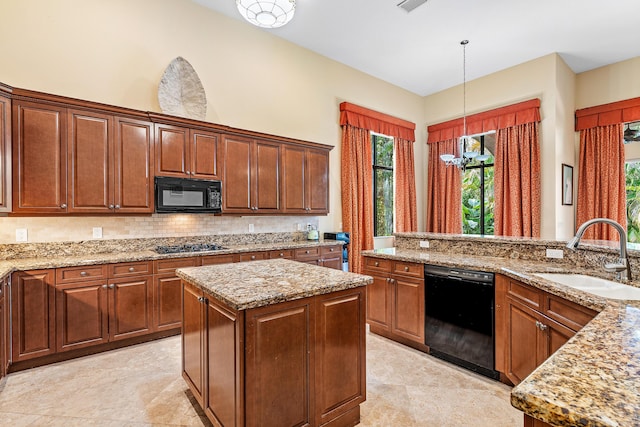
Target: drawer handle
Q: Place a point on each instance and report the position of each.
(83, 273)
(307, 251)
(253, 257)
(377, 264)
(131, 269)
(406, 269)
(281, 254)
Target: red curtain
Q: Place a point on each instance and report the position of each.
(517, 181)
(444, 214)
(356, 177)
(374, 121)
(601, 180)
(406, 214)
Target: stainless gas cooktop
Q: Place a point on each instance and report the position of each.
(199, 247)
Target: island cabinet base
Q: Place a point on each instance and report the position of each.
(532, 422)
(295, 363)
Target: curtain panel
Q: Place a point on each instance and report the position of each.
(517, 181)
(406, 217)
(601, 180)
(356, 177)
(444, 190)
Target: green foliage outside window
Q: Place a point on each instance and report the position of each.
(477, 193)
(382, 184)
(632, 172)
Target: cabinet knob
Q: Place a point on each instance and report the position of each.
(253, 257)
(117, 206)
(406, 268)
(83, 273)
(202, 300)
(104, 286)
(131, 269)
(111, 206)
(377, 264)
(307, 251)
(63, 206)
(112, 286)
(188, 173)
(332, 249)
(281, 254)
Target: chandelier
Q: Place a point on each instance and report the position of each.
(465, 140)
(267, 13)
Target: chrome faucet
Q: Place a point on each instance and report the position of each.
(622, 267)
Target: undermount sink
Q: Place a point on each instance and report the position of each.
(594, 285)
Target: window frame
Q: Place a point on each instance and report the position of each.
(482, 166)
(375, 168)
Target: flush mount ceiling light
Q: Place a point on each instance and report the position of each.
(267, 13)
(467, 156)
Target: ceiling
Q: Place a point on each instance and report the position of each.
(420, 51)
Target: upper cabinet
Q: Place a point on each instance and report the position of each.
(187, 153)
(305, 180)
(5, 152)
(252, 176)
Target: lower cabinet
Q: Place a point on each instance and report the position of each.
(531, 325)
(130, 301)
(532, 422)
(295, 363)
(3, 322)
(396, 299)
(167, 292)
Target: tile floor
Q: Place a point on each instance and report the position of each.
(142, 386)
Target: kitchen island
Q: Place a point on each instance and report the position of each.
(275, 343)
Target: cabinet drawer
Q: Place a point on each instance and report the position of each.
(170, 265)
(216, 259)
(568, 313)
(253, 256)
(377, 264)
(125, 269)
(284, 253)
(330, 250)
(77, 274)
(525, 294)
(408, 269)
(307, 253)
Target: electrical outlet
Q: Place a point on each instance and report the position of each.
(555, 253)
(21, 234)
(97, 232)
(299, 226)
(250, 228)
(424, 244)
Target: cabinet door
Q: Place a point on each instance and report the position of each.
(526, 345)
(204, 155)
(90, 150)
(237, 175)
(172, 151)
(33, 314)
(253, 256)
(378, 301)
(556, 336)
(167, 302)
(317, 182)
(130, 307)
(39, 158)
(408, 308)
(293, 180)
(224, 355)
(82, 315)
(133, 168)
(331, 257)
(3, 345)
(5, 154)
(340, 354)
(278, 364)
(266, 177)
(193, 316)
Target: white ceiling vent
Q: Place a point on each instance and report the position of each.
(409, 5)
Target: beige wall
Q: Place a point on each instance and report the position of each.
(116, 51)
(541, 79)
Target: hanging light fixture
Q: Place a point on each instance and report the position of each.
(267, 13)
(467, 156)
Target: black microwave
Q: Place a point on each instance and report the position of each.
(185, 195)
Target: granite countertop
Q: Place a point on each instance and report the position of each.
(243, 286)
(594, 379)
(44, 261)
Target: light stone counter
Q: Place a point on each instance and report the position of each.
(594, 379)
(259, 283)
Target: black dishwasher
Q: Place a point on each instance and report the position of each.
(459, 319)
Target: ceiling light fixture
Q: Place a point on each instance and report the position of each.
(632, 132)
(467, 156)
(267, 13)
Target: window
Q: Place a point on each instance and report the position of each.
(477, 188)
(632, 175)
(382, 148)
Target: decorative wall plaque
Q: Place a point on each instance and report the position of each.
(180, 92)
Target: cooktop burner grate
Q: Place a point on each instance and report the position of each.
(200, 247)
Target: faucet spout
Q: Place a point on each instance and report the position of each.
(623, 267)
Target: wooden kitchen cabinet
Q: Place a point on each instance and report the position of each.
(130, 307)
(39, 157)
(251, 176)
(5, 151)
(532, 422)
(3, 332)
(167, 292)
(33, 314)
(305, 180)
(531, 325)
(193, 339)
(396, 300)
(331, 257)
(187, 153)
(253, 256)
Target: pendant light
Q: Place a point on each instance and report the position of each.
(267, 13)
(467, 156)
